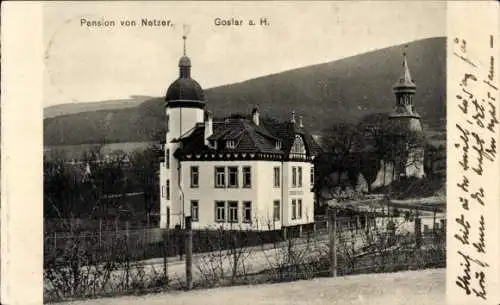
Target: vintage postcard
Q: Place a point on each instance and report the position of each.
(250, 152)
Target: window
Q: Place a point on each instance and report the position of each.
(276, 177)
(299, 208)
(247, 176)
(230, 144)
(276, 210)
(220, 179)
(162, 191)
(247, 211)
(278, 145)
(298, 146)
(220, 211)
(168, 189)
(167, 158)
(233, 211)
(312, 176)
(195, 175)
(294, 176)
(194, 210)
(233, 176)
(294, 209)
(300, 176)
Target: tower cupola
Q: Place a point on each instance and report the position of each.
(405, 88)
(185, 91)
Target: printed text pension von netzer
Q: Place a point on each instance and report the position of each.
(143, 22)
(158, 22)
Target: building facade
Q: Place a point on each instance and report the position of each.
(238, 172)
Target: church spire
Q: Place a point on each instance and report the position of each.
(407, 75)
(405, 88)
(405, 81)
(184, 62)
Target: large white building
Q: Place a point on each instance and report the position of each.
(239, 172)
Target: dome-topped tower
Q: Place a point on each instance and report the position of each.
(185, 107)
(185, 90)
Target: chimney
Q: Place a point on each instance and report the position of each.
(208, 126)
(293, 117)
(300, 122)
(255, 115)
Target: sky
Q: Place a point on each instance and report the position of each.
(87, 64)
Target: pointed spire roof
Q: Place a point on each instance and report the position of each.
(405, 81)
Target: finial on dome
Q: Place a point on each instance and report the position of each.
(184, 37)
(184, 45)
(185, 62)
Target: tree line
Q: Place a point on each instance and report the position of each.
(354, 149)
(98, 185)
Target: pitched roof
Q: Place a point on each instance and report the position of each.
(247, 136)
(286, 131)
(405, 81)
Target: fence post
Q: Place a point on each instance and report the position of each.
(332, 232)
(434, 235)
(165, 254)
(189, 253)
(418, 231)
(100, 232)
(127, 232)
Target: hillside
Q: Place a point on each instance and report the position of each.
(73, 108)
(345, 89)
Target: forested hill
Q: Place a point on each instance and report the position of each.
(342, 90)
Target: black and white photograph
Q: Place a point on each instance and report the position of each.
(244, 153)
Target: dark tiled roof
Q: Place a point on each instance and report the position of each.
(286, 131)
(185, 89)
(248, 138)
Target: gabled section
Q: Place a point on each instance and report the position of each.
(298, 147)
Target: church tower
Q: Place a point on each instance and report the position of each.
(185, 104)
(404, 114)
(404, 123)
